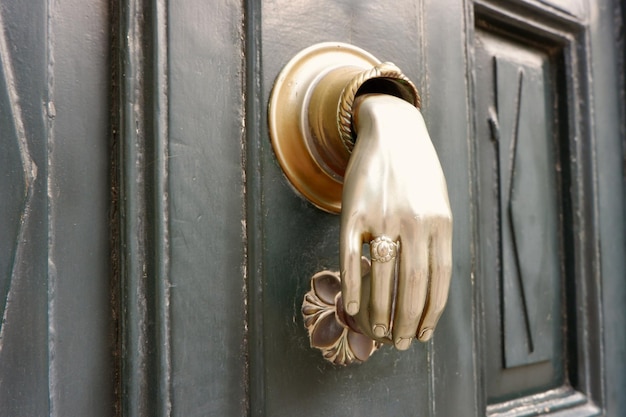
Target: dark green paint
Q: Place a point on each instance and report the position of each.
(517, 142)
(206, 208)
(56, 350)
(156, 278)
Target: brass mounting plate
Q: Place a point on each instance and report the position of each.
(288, 119)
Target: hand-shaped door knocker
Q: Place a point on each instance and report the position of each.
(349, 135)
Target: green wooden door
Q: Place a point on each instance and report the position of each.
(154, 257)
(56, 345)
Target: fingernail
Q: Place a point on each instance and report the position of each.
(353, 308)
(379, 330)
(426, 334)
(403, 343)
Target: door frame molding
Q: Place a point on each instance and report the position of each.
(140, 206)
(584, 365)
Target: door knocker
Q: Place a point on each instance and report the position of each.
(348, 132)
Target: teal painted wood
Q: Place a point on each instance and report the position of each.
(210, 250)
(541, 29)
(608, 91)
(284, 239)
(24, 386)
(532, 271)
(454, 357)
(300, 240)
(206, 220)
(80, 288)
(580, 233)
(518, 142)
(56, 355)
(139, 225)
(284, 376)
(255, 111)
(181, 248)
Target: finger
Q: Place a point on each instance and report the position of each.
(412, 288)
(350, 244)
(440, 275)
(383, 251)
(362, 318)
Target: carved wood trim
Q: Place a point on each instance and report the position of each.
(141, 251)
(564, 39)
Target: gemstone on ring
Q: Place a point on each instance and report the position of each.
(383, 249)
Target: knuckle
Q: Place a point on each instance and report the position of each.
(443, 268)
(413, 308)
(436, 310)
(442, 221)
(378, 307)
(413, 314)
(422, 272)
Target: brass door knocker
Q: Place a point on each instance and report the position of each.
(348, 132)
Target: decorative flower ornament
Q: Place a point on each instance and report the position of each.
(330, 329)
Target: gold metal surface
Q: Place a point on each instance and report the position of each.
(296, 141)
(389, 187)
(310, 114)
(395, 199)
(331, 330)
(384, 78)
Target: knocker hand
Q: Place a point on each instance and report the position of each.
(395, 199)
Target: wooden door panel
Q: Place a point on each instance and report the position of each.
(155, 261)
(444, 80)
(23, 280)
(218, 207)
(227, 346)
(533, 209)
(56, 350)
(182, 202)
(206, 208)
(300, 240)
(517, 146)
(607, 91)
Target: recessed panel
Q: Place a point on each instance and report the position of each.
(528, 205)
(517, 144)
(13, 187)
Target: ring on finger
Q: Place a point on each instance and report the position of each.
(383, 249)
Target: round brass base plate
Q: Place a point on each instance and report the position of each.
(288, 119)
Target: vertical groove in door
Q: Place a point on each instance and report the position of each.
(253, 202)
(161, 205)
(115, 225)
(477, 325)
(133, 214)
(53, 391)
(142, 132)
